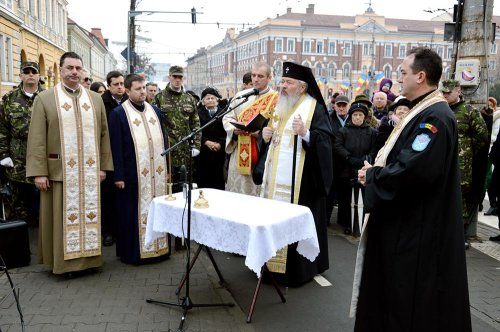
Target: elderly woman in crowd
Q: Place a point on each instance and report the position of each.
(210, 168)
(354, 144)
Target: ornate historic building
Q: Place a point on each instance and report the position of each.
(347, 53)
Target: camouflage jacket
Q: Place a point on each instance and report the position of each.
(15, 116)
(472, 136)
(179, 115)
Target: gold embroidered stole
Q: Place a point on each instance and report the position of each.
(381, 160)
(81, 178)
(145, 128)
(264, 105)
(279, 165)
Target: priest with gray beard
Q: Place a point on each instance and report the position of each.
(301, 111)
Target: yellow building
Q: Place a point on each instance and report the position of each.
(31, 30)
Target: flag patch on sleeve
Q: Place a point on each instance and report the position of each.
(432, 128)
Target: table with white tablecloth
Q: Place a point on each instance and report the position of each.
(250, 226)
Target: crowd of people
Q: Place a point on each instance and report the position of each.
(84, 160)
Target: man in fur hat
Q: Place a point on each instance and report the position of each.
(301, 126)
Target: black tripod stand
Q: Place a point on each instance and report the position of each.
(186, 304)
(3, 268)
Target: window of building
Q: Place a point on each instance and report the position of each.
(449, 52)
(54, 14)
(307, 46)
(366, 49)
(6, 62)
(318, 70)
(290, 45)
(493, 49)
(319, 47)
(278, 45)
(263, 46)
(388, 50)
(346, 71)
(332, 70)
(492, 65)
(347, 48)
(48, 19)
(332, 47)
(402, 51)
(439, 51)
(387, 71)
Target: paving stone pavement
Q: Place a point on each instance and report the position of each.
(113, 298)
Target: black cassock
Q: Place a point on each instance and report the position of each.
(210, 167)
(414, 274)
(126, 199)
(316, 180)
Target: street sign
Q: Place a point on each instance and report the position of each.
(125, 54)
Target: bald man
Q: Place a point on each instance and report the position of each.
(380, 108)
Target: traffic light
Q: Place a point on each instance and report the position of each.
(193, 15)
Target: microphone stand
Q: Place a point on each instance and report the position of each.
(186, 303)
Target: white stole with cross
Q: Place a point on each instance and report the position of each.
(277, 180)
(81, 178)
(145, 128)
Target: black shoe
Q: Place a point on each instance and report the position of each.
(347, 231)
(492, 211)
(108, 241)
(495, 238)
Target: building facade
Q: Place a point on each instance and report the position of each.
(31, 30)
(348, 54)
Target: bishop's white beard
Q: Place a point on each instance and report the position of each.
(286, 103)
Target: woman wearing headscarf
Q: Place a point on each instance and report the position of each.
(212, 154)
(354, 144)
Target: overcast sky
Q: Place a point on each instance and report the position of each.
(174, 42)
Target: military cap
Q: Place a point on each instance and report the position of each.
(29, 64)
(176, 70)
(362, 98)
(448, 85)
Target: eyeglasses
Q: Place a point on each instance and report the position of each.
(87, 79)
(28, 71)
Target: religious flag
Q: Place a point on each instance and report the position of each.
(379, 77)
(344, 86)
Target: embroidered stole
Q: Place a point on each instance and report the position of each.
(381, 160)
(81, 178)
(145, 128)
(264, 105)
(279, 165)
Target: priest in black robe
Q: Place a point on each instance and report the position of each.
(410, 271)
(137, 140)
(300, 112)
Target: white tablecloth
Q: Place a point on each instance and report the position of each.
(251, 226)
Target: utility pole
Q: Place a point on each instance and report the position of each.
(131, 38)
(475, 43)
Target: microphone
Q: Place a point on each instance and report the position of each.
(248, 94)
(182, 174)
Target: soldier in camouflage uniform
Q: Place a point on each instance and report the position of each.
(472, 137)
(180, 117)
(15, 116)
